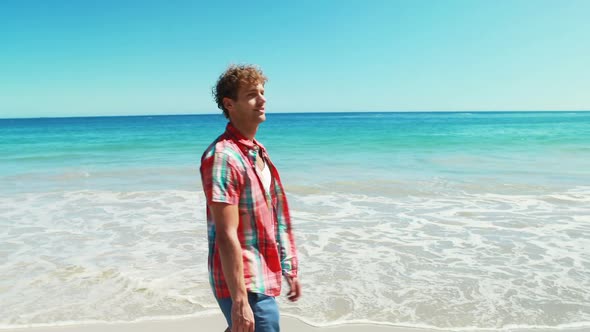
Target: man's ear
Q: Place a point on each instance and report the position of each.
(228, 103)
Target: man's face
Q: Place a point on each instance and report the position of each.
(248, 108)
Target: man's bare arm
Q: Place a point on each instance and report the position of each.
(227, 219)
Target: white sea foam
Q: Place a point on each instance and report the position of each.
(458, 260)
(445, 256)
(90, 255)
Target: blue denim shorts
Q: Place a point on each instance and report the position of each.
(264, 308)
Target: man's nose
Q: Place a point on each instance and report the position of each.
(261, 99)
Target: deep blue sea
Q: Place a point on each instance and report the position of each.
(451, 220)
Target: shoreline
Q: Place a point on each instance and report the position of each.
(214, 321)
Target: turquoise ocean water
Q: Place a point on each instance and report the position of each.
(448, 220)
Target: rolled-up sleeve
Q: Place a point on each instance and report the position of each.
(286, 240)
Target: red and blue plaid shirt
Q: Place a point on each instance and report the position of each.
(229, 175)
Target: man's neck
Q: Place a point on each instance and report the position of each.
(247, 131)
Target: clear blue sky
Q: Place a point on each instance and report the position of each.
(78, 58)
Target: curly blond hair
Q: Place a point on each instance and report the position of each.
(234, 77)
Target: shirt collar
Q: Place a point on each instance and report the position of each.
(241, 139)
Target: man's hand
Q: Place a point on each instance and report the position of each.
(294, 289)
(242, 318)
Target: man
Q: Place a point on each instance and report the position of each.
(251, 243)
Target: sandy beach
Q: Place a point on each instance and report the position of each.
(217, 323)
(209, 323)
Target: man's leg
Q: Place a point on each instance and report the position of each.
(264, 308)
(225, 305)
(266, 313)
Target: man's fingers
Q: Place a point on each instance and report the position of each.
(243, 326)
(295, 289)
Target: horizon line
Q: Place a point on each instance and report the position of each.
(288, 113)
